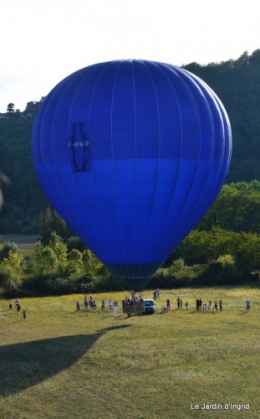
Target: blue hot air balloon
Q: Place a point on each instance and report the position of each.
(131, 154)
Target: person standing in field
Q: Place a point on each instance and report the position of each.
(178, 302)
(115, 306)
(248, 304)
(85, 302)
(168, 304)
(10, 304)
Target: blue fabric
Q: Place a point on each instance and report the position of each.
(132, 154)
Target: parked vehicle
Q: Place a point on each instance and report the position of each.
(149, 306)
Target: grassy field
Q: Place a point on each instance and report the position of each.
(59, 363)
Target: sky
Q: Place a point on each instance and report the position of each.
(44, 41)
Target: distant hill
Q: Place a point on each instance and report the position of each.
(24, 199)
(236, 82)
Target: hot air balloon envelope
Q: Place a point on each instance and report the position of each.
(131, 154)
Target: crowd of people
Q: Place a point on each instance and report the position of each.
(135, 299)
(210, 305)
(200, 306)
(90, 303)
(179, 302)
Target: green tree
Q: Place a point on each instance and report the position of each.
(50, 222)
(46, 259)
(10, 107)
(91, 263)
(236, 208)
(59, 248)
(222, 271)
(75, 262)
(205, 246)
(13, 260)
(7, 248)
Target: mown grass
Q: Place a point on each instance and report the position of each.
(59, 363)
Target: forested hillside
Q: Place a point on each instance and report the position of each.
(236, 82)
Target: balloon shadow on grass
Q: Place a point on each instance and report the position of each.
(22, 365)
